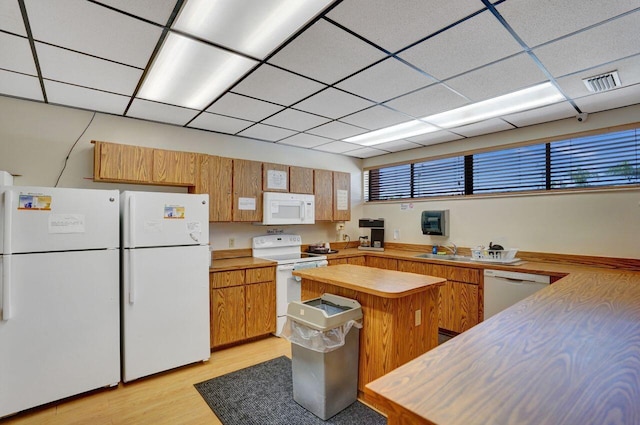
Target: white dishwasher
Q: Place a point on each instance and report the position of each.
(503, 288)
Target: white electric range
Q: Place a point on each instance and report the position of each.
(285, 250)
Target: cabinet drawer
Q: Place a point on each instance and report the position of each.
(225, 279)
(460, 274)
(262, 274)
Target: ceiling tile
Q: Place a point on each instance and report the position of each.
(489, 126)
(628, 70)
(397, 146)
(537, 22)
(333, 103)
(392, 25)
(15, 54)
(397, 78)
(337, 130)
(365, 153)
(337, 147)
(435, 138)
(11, 18)
(295, 120)
(314, 53)
(611, 99)
(375, 118)
(428, 101)
(304, 140)
(613, 40)
(468, 45)
(275, 85)
(266, 132)
(80, 97)
(506, 76)
(92, 29)
(157, 11)
(20, 85)
(154, 111)
(75, 68)
(553, 112)
(219, 123)
(243, 107)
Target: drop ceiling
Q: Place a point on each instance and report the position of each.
(354, 67)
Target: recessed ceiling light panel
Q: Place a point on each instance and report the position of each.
(252, 27)
(522, 100)
(395, 132)
(191, 74)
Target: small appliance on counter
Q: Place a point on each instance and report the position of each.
(320, 248)
(376, 243)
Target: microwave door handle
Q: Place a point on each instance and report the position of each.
(304, 210)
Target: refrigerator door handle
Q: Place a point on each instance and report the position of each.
(132, 277)
(8, 204)
(132, 222)
(6, 288)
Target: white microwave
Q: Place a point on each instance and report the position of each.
(288, 208)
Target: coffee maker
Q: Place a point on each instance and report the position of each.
(376, 243)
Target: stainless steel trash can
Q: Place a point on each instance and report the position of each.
(325, 340)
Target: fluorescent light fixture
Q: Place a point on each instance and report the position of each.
(191, 74)
(522, 100)
(389, 134)
(252, 27)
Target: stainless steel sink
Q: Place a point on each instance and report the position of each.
(445, 257)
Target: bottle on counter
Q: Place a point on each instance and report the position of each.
(434, 250)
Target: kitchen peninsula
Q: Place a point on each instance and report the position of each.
(567, 355)
(400, 312)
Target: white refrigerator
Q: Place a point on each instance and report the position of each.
(165, 281)
(59, 294)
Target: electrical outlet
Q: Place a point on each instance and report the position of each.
(345, 237)
(232, 242)
(396, 234)
(418, 317)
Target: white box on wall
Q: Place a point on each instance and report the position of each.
(6, 179)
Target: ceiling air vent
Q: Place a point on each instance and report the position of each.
(603, 82)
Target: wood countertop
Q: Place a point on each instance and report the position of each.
(369, 280)
(228, 264)
(569, 354)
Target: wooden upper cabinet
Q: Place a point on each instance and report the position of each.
(215, 179)
(247, 190)
(301, 180)
(174, 167)
(341, 196)
(113, 162)
(323, 190)
(275, 177)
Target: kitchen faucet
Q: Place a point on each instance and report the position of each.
(453, 250)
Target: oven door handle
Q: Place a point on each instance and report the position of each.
(285, 267)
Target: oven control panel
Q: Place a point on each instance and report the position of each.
(274, 241)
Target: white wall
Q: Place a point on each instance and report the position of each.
(35, 139)
(588, 223)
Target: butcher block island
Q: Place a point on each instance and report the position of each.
(400, 312)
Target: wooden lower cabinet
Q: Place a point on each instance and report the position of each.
(228, 315)
(260, 311)
(459, 300)
(243, 304)
(458, 306)
(358, 261)
(383, 263)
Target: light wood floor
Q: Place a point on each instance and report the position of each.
(166, 398)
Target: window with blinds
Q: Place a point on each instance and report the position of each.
(611, 159)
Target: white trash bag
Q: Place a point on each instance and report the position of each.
(316, 340)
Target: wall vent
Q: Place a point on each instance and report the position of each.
(603, 82)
